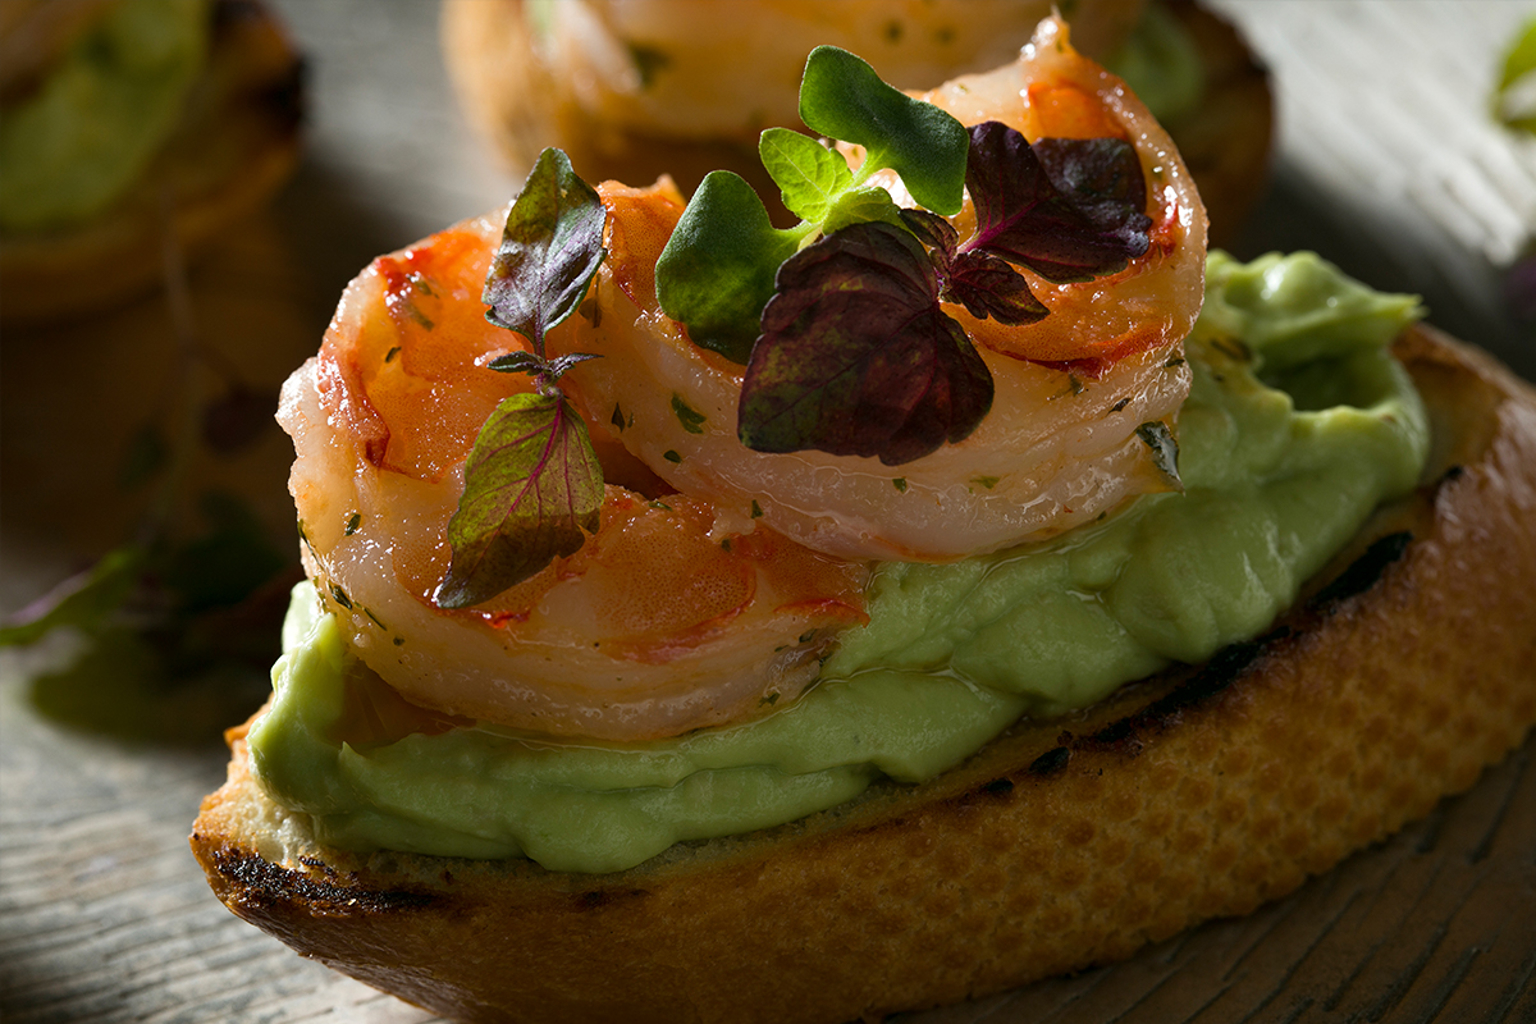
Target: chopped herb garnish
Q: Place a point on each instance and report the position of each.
(1233, 348)
(617, 419)
(900, 483)
(671, 456)
(757, 510)
(691, 419)
(389, 356)
(341, 597)
(987, 482)
(1165, 449)
(353, 522)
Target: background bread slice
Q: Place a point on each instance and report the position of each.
(517, 101)
(1408, 668)
(238, 140)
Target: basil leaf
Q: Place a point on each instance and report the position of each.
(809, 175)
(549, 252)
(841, 96)
(532, 491)
(856, 357)
(716, 272)
(1068, 209)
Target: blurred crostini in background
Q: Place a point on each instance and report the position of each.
(121, 119)
(638, 89)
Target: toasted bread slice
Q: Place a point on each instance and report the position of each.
(1408, 667)
(238, 140)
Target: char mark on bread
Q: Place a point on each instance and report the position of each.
(262, 883)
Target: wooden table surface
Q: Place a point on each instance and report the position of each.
(1387, 164)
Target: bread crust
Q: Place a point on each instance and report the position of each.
(238, 140)
(510, 94)
(1406, 669)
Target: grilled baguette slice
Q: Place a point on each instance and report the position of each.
(1408, 668)
(238, 140)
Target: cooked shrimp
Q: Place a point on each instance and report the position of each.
(1060, 445)
(676, 614)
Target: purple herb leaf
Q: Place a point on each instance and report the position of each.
(936, 232)
(857, 358)
(550, 249)
(1073, 215)
(988, 286)
(532, 490)
(546, 370)
(1102, 180)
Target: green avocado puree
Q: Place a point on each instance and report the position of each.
(75, 145)
(1298, 425)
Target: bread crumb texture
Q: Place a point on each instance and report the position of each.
(1059, 846)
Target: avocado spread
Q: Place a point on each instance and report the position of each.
(1299, 424)
(87, 133)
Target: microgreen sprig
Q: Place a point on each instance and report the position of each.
(717, 272)
(838, 320)
(533, 485)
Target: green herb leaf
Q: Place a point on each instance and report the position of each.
(84, 601)
(532, 491)
(1514, 100)
(841, 96)
(550, 250)
(716, 272)
(859, 206)
(809, 175)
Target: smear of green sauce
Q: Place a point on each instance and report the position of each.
(1299, 424)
